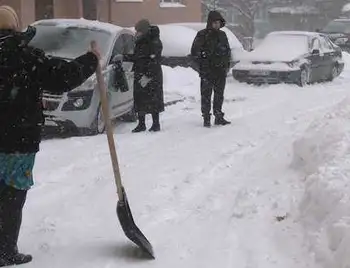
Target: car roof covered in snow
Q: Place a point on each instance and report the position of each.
(304, 33)
(81, 23)
(197, 26)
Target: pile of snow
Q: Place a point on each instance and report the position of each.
(181, 82)
(323, 155)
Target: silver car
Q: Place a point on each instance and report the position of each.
(80, 108)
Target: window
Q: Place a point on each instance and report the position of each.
(171, 3)
(43, 9)
(89, 9)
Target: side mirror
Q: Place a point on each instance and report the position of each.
(316, 52)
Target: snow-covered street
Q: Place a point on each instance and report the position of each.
(204, 197)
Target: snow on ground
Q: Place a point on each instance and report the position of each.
(321, 154)
(204, 197)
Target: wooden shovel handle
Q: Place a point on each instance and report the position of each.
(105, 112)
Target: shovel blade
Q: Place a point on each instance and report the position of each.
(129, 227)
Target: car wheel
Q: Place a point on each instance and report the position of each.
(334, 73)
(304, 78)
(98, 126)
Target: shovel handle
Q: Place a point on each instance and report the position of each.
(105, 112)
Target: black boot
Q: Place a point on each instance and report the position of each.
(156, 125)
(15, 259)
(221, 121)
(142, 124)
(206, 121)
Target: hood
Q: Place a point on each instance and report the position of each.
(154, 32)
(271, 55)
(215, 16)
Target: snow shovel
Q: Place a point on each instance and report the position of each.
(123, 209)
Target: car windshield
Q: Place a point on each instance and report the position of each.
(338, 27)
(69, 41)
(282, 45)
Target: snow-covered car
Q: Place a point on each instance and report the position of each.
(339, 32)
(291, 57)
(175, 50)
(80, 108)
(237, 49)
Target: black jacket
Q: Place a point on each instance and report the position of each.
(210, 49)
(25, 72)
(147, 61)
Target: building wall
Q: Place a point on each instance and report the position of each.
(128, 13)
(120, 12)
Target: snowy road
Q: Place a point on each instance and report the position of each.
(204, 197)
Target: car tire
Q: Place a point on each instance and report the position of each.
(304, 78)
(98, 126)
(334, 73)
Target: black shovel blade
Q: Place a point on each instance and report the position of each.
(129, 227)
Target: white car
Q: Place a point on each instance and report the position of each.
(80, 108)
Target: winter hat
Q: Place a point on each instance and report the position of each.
(142, 26)
(8, 18)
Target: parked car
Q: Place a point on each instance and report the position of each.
(237, 49)
(80, 108)
(339, 32)
(291, 57)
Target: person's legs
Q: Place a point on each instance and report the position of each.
(156, 124)
(206, 92)
(142, 123)
(11, 206)
(219, 88)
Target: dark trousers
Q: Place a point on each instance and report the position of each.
(11, 205)
(216, 84)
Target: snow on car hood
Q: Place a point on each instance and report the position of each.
(278, 48)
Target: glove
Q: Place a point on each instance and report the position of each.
(144, 81)
(118, 58)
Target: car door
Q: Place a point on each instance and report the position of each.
(128, 96)
(316, 60)
(328, 57)
(119, 84)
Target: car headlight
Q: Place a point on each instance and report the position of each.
(78, 103)
(341, 41)
(78, 100)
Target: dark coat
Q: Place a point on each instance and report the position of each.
(25, 72)
(147, 62)
(211, 50)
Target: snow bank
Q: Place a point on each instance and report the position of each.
(323, 154)
(180, 81)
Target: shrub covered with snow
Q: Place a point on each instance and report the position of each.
(324, 154)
